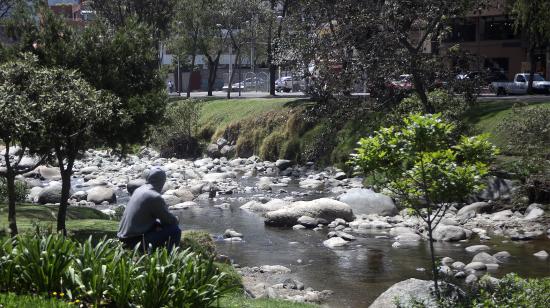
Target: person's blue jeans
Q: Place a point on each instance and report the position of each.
(163, 236)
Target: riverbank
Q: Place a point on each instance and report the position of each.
(373, 244)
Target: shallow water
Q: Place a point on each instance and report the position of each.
(357, 274)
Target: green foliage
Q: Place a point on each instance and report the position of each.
(514, 291)
(15, 300)
(176, 136)
(272, 146)
(198, 242)
(450, 106)
(42, 262)
(105, 273)
(422, 164)
(20, 190)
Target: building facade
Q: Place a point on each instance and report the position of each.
(491, 35)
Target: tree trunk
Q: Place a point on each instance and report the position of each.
(12, 222)
(212, 72)
(65, 194)
(533, 60)
(420, 90)
(434, 265)
(193, 56)
(231, 77)
(272, 67)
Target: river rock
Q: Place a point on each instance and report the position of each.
(183, 205)
(496, 188)
(34, 193)
(231, 233)
(408, 237)
(471, 279)
(477, 207)
(265, 183)
(502, 215)
(49, 173)
(312, 184)
(258, 207)
(184, 194)
(475, 266)
(227, 151)
(89, 170)
(541, 254)
(274, 269)
(449, 233)
(99, 194)
(293, 284)
(535, 213)
(402, 293)
(308, 222)
(80, 195)
(484, 258)
(366, 201)
(335, 242)
(213, 150)
(502, 256)
(171, 200)
(477, 248)
(458, 265)
(282, 164)
(50, 194)
(134, 184)
(324, 208)
(218, 176)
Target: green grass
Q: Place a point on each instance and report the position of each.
(219, 113)
(80, 220)
(240, 301)
(488, 117)
(11, 300)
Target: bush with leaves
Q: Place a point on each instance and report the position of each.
(176, 137)
(20, 190)
(106, 274)
(528, 129)
(425, 167)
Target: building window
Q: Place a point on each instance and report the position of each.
(499, 28)
(501, 65)
(463, 32)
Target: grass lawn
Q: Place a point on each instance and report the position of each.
(488, 117)
(81, 221)
(218, 113)
(11, 300)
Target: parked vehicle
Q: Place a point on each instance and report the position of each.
(520, 84)
(283, 84)
(404, 82)
(249, 84)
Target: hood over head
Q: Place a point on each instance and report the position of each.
(157, 178)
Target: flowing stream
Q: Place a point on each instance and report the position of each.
(358, 273)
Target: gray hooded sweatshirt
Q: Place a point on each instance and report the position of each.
(145, 207)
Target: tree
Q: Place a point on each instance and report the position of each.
(424, 167)
(186, 30)
(122, 61)
(21, 125)
(74, 117)
(532, 17)
(278, 10)
(5, 7)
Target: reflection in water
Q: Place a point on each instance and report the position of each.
(357, 274)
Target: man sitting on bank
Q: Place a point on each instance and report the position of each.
(146, 219)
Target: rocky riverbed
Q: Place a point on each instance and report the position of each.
(326, 229)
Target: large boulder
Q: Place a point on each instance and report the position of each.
(100, 194)
(50, 194)
(272, 205)
(312, 184)
(366, 201)
(49, 173)
(477, 207)
(213, 150)
(449, 233)
(496, 188)
(134, 184)
(485, 258)
(327, 209)
(402, 293)
(282, 164)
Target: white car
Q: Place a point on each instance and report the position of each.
(247, 84)
(520, 85)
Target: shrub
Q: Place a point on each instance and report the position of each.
(199, 242)
(272, 145)
(20, 190)
(177, 135)
(106, 274)
(529, 137)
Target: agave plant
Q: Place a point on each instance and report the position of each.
(8, 269)
(89, 274)
(125, 267)
(43, 261)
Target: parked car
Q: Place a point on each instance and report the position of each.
(253, 83)
(403, 82)
(520, 84)
(283, 84)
